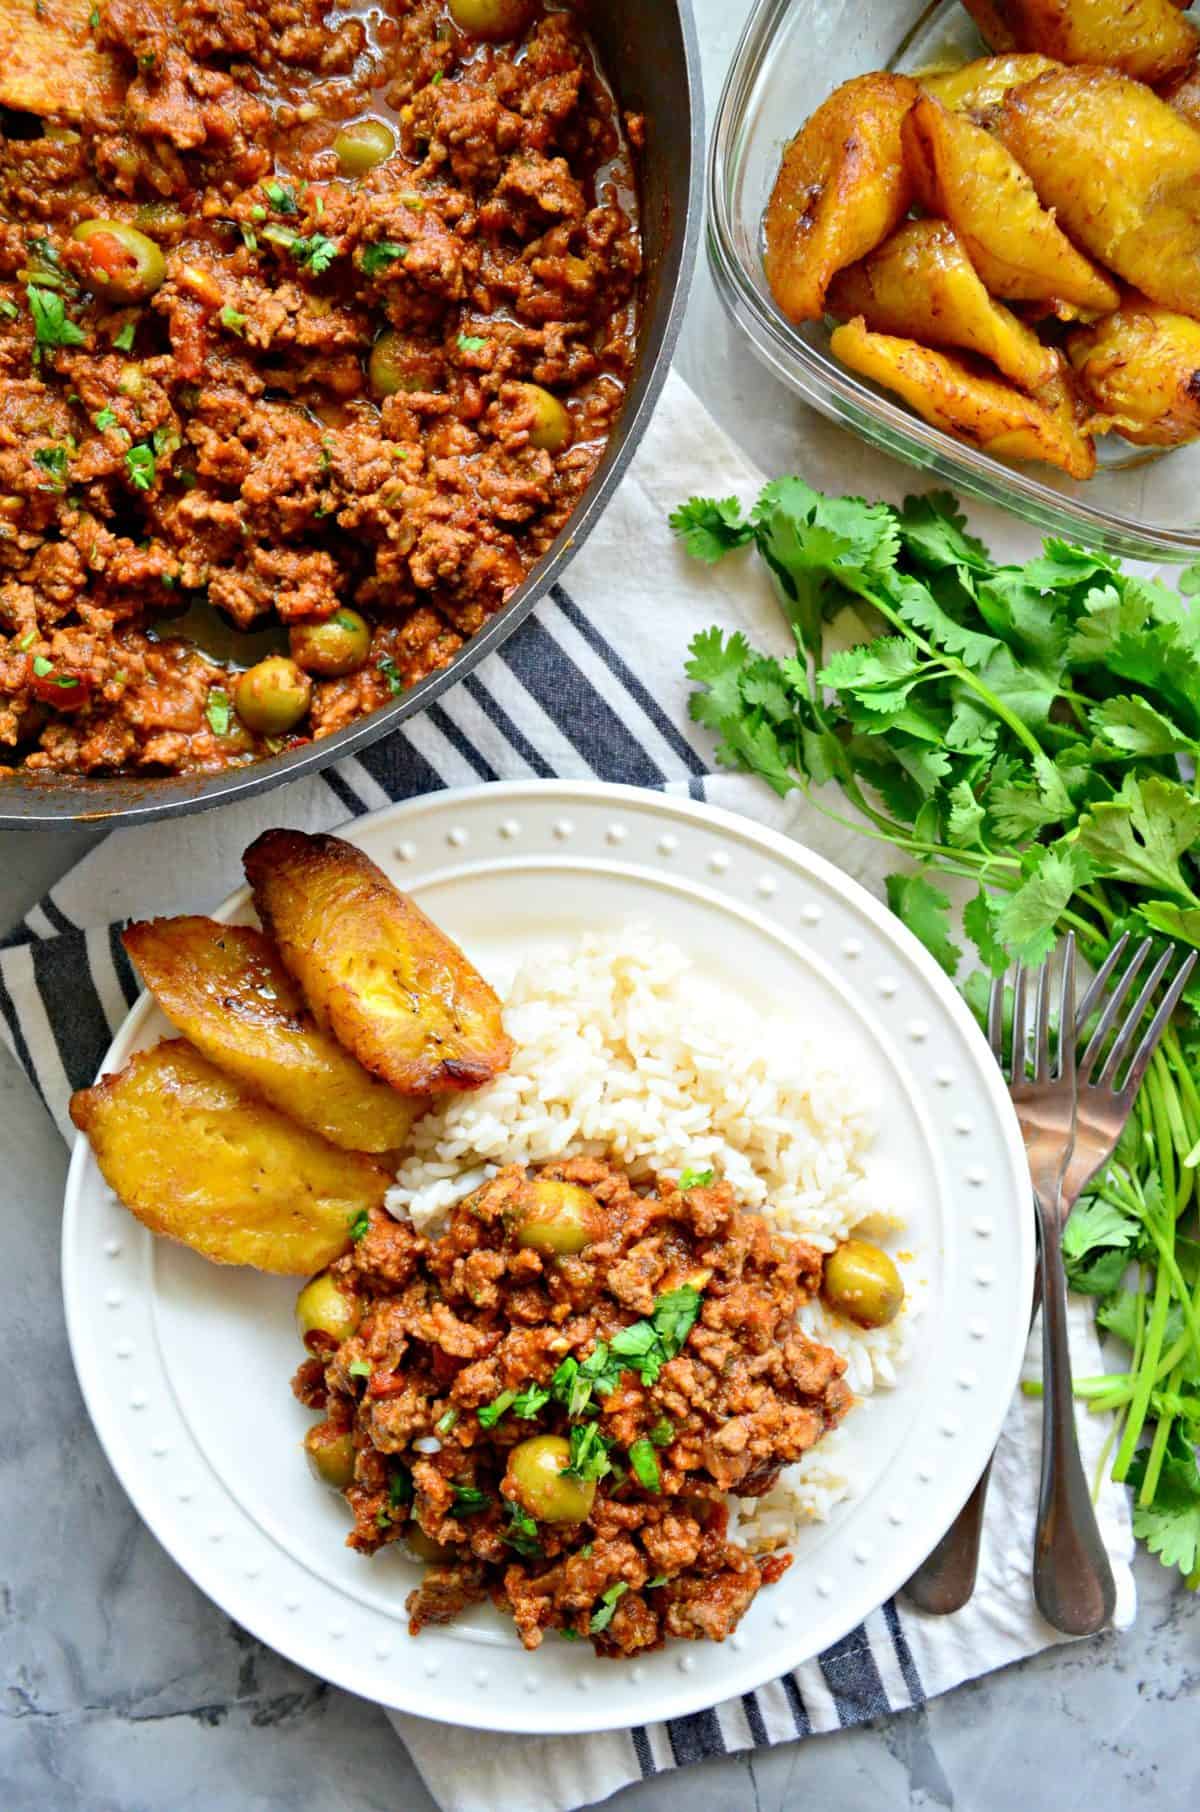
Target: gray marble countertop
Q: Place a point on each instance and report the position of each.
(127, 1691)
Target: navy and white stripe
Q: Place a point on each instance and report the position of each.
(559, 699)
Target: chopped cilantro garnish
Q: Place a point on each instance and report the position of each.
(232, 319)
(491, 1412)
(104, 419)
(388, 669)
(568, 1634)
(52, 325)
(446, 1421)
(41, 666)
(589, 1453)
(217, 711)
(400, 1486)
(54, 462)
(316, 252)
(663, 1432)
(360, 1226)
(659, 1579)
(470, 342)
(281, 198)
(529, 1401)
(383, 1520)
(124, 340)
(165, 440)
(94, 18)
(695, 1179)
(141, 465)
(522, 1531)
(437, 78)
(644, 1462)
(468, 1501)
(601, 1619)
(8, 309)
(25, 642)
(574, 1381)
(359, 1368)
(377, 257)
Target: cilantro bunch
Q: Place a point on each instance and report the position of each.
(1031, 731)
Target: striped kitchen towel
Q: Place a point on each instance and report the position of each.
(592, 685)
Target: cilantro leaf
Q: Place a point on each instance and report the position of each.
(1133, 726)
(400, 1486)
(589, 1453)
(600, 1620)
(1140, 835)
(360, 1226)
(468, 1500)
(471, 342)
(711, 527)
(315, 252)
(1170, 1526)
(522, 1532)
(695, 1179)
(391, 673)
(965, 817)
(926, 912)
(217, 710)
(281, 197)
(1026, 921)
(491, 1412)
(644, 1462)
(52, 326)
(380, 255)
(141, 465)
(54, 462)
(124, 340)
(1181, 922)
(979, 922)
(1096, 1222)
(933, 529)
(528, 1402)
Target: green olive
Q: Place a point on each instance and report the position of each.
(556, 1218)
(323, 1307)
(490, 18)
(535, 1472)
(331, 1455)
(125, 265)
(362, 145)
(161, 219)
(400, 363)
(862, 1283)
(329, 649)
(551, 428)
(273, 696)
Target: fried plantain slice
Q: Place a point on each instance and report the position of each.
(195, 1157)
(377, 973)
(226, 990)
(1147, 39)
(1183, 97)
(976, 88)
(921, 285)
(841, 188)
(1140, 367)
(952, 396)
(50, 63)
(963, 174)
(1122, 171)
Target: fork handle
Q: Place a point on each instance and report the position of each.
(1072, 1579)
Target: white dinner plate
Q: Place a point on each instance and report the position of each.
(185, 1365)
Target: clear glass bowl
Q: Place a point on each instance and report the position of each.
(793, 53)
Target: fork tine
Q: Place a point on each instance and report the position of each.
(1109, 1016)
(1133, 1019)
(1017, 1073)
(995, 1026)
(1158, 1025)
(1066, 1014)
(1100, 981)
(1041, 1062)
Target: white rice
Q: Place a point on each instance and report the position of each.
(624, 1050)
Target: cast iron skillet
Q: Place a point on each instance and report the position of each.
(650, 54)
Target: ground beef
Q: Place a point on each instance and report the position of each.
(215, 455)
(458, 1325)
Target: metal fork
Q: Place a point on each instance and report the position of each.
(946, 1579)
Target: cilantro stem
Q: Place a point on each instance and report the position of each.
(1144, 1381)
(964, 675)
(1158, 1448)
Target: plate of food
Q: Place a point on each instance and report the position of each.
(633, 1209)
